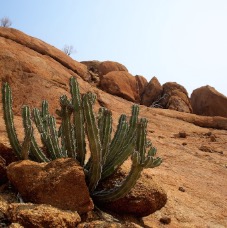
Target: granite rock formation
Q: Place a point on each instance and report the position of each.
(207, 101)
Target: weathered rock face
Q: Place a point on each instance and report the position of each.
(30, 69)
(3, 176)
(142, 83)
(145, 197)
(205, 188)
(122, 84)
(60, 183)
(109, 66)
(44, 49)
(152, 92)
(93, 68)
(207, 101)
(39, 216)
(175, 97)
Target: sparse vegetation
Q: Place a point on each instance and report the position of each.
(68, 49)
(5, 22)
(77, 120)
(158, 102)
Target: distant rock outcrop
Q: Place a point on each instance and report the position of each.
(115, 79)
(93, 68)
(152, 92)
(141, 83)
(109, 66)
(98, 69)
(122, 84)
(175, 97)
(207, 101)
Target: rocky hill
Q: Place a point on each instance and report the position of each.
(193, 147)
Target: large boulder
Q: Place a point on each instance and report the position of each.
(152, 92)
(207, 101)
(175, 97)
(145, 197)
(122, 84)
(92, 65)
(60, 183)
(38, 216)
(142, 83)
(108, 66)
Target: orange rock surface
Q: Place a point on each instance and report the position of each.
(194, 178)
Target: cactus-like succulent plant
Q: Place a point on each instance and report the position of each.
(77, 120)
(140, 161)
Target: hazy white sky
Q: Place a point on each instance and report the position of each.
(175, 40)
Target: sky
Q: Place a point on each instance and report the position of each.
(183, 41)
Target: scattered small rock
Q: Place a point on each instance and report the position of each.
(209, 133)
(210, 136)
(220, 152)
(181, 189)
(182, 134)
(165, 220)
(184, 143)
(32, 215)
(206, 149)
(213, 138)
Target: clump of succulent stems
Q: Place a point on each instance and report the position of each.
(78, 120)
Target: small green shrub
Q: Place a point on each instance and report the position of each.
(77, 119)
